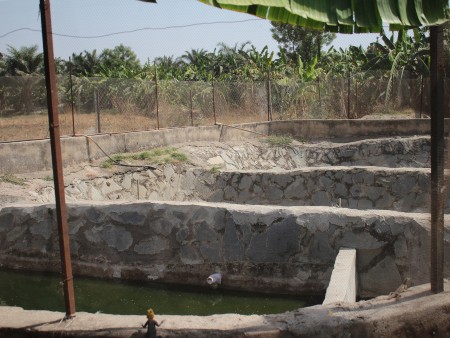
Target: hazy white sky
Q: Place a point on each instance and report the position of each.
(87, 18)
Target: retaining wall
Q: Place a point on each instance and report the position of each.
(257, 248)
(406, 190)
(30, 156)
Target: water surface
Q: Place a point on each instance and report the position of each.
(43, 291)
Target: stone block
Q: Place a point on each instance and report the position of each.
(151, 246)
(42, 228)
(245, 183)
(296, 190)
(189, 255)
(282, 240)
(371, 282)
(273, 194)
(233, 249)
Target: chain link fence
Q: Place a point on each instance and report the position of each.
(106, 105)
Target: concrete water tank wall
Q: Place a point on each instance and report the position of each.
(257, 248)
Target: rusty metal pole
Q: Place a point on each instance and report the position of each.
(421, 96)
(214, 100)
(348, 95)
(437, 158)
(55, 142)
(192, 108)
(71, 96)
(156, 96)
(97, 111)
(269, 97)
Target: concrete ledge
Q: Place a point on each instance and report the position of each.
(343, 285)
(416, 313)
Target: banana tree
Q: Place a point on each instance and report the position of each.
(343, 16)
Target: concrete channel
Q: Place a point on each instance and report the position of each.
(269, 218)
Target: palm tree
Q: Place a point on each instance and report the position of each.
(86, 63)
(24, 64)
(24, 61)
(199, 64)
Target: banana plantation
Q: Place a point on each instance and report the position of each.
(112, 91)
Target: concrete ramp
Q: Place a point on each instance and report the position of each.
(343, 285)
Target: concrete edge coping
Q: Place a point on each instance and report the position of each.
(343, 282)
(416, 308)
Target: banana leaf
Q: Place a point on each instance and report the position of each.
(344, 16)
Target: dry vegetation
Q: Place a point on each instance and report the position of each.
(35, 126)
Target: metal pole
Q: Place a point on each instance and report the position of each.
(437, 158)
(356, 100)
(156, 94)
(71, 96)
(421, 96)
(320, 99)
(55, 142)
(192, 109)
(97, 110)
(269, 97)
(214, 100)
(348, 95)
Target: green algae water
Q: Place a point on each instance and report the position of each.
(38, 291)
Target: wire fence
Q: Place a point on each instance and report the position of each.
(105, 105)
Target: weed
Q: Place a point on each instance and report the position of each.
(10, 178)
(155, 156)
(48, 178)
(141, 156)
(215, 169)
(107, 164)
(157, 152)
(118, 157)
(302, 139)
(180, 157)
(278, 140)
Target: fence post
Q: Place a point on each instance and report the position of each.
(348, 94)
(421, 96)
(214, 100)
(269, 97)
(356, 99)
(320, 98)
(192, 108)
(97, 111)
(157, 98)
(71, 96)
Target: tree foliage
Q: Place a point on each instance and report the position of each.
(299, 43)
(297, 64)
(23, 61)
(344, 16)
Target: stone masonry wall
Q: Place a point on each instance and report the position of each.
(362, 188)
(258, 248)
(237, 175)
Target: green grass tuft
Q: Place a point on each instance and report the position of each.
(215, 169)
(10, 178)
(154, 156)
(278, 140)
